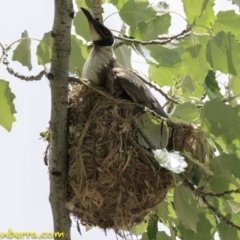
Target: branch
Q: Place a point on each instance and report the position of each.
(58, 164)
(209, 205)
(158, 41)
(155, 86)
(96, 8)
(19, 75)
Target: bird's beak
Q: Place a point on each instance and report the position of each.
(98, 31)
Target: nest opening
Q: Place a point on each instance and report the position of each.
(113, 182)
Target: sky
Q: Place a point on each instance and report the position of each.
(24, 181)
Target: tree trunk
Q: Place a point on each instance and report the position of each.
(58, 76)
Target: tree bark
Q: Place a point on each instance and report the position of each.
(96, 8)
(58, 76)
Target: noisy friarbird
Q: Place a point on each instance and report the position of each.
(101, 65)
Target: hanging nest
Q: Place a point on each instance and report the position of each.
(113, 182)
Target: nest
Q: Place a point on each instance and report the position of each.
(113, 182)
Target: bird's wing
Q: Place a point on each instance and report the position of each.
(137, 90)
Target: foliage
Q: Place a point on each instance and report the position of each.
(189, 66)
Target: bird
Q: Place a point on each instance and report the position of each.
(102, 69)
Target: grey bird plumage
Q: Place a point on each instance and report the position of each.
(101, 68)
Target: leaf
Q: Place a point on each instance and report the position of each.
(160, 7)
(118, 3)
(76, 59)
(123, 55)
(152, 227)
(163, 76)
(186, 207)
(154, 129)
(163, 236)
(7, 108)
(81, 26)
(167, 55)
(153, 28)
(83, 3)
(140, 228)
(166, 213)
(194, 63)
(211, 86)
(222, 123)
(205, 19)
(44, 49)
(223, 53)
(144, 52)
(188, 84)
(133, 13)
(194, 9)
(185, 112)
(230, 162)
(227, 232)
(235, 85)
(220, 182)
(201, 165)
(22, 53)
(227, 21)
(204, 229)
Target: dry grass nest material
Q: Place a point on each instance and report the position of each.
(113, 182)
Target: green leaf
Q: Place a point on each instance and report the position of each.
(186, 207)
(123, 55)
(44, 49)
(81, 26)
(220, 182)
(204, 167)
(151, 29)
(163, 76)
(163, 236)
(223, 53)
(205, 19)
(194, 63)
(83, 3)
(7, 108)
(22, 53)
(144, 52)
(133, 13)
(76, 59)
(187, 84)
(227, 21)
(211, 86)
(204, 229)
(185, 112)
(166, 213)
(227, 232)
(167, 55)
(140, 228)
(222, 123)
(235, 85)
(118, 3)
(152, 227)
(229, 162)
(194, 9)
(154, 129)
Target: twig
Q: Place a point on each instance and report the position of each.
(19, 75)
(209, 205)
(154, 86)
(158, 41)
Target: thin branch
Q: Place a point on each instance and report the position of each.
(158, 41)
(19, 75)
(209, 205)
(220, 216)
(155, 86)
(96, 8)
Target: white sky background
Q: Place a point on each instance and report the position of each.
(24, 184)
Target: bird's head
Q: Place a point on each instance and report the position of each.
(99, 33)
